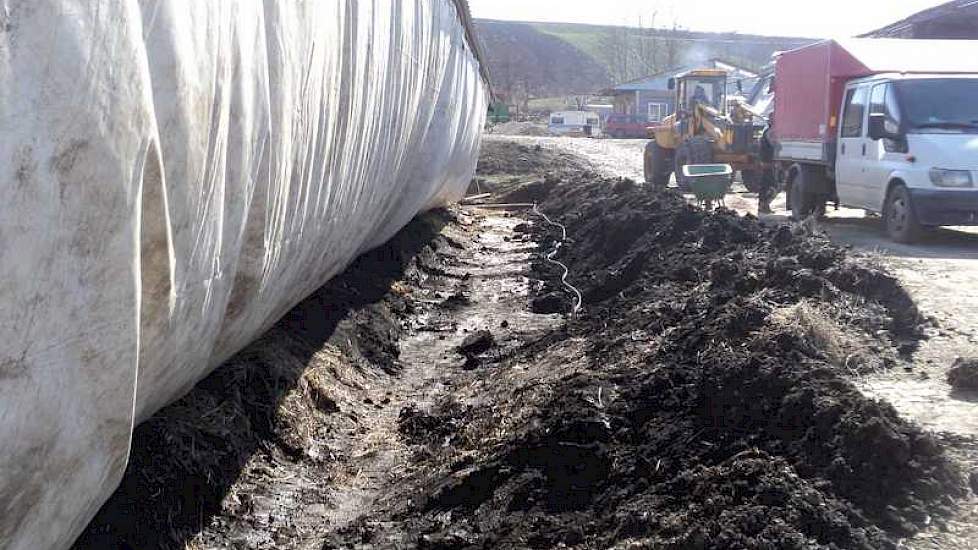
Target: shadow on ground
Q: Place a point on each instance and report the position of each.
(185, 458)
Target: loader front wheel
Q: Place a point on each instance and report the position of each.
(658, 165)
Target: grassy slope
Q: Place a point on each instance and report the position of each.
(588, 39)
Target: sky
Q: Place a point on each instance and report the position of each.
(806, 18)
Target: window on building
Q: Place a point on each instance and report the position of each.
(852, 121)
(657, 112)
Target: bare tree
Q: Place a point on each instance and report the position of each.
(632, 53)
(647, 46)
(521, 95)
(673, 47)
(581, 102)
(617, 53)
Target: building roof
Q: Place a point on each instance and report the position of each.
(465, 16)
(660, 81)
(947, 10)
(867, 56)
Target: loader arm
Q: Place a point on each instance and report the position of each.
(713, 123)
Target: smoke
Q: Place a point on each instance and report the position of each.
(695, 55)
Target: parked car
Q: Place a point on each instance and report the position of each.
(889, 126)
(627, 126)
(575, 123)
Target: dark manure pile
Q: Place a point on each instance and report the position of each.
(515, 172)
(713, 407)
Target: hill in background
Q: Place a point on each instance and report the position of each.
(534, 60)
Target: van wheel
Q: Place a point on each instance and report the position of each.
(901, 222)
(658, 165)
(802, 199)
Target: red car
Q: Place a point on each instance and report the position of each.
(627, 126)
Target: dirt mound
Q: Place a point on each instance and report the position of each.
(964, 374)
(434, 427)
(712, 407)
(477, 343)
(519, 173)
(508, 158)
(551, 302)
(520, 129)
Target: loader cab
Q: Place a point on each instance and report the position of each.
(707, 87)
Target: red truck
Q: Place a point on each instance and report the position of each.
(889, 126)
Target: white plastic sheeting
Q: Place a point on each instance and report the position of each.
(174, 176)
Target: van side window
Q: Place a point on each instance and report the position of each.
(883, 102)
(852, 121)
(557, 120)
(892, 110)
(877, 101)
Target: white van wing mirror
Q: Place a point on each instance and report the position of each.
(877, 126)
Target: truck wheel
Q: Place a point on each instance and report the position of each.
(658, 165)
(901, 222)
(695, 150)
(803, 199)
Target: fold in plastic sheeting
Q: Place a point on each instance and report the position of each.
(174, 177)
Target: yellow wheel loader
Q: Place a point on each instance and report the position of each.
(706, 129)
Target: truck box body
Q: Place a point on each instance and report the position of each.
(810, 82)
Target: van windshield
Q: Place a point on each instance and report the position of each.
(945, 105)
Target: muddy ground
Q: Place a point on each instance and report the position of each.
(702, 398)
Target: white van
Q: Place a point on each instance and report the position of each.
(575, 123)
(849, 129)
(921, 142)
(908, 149)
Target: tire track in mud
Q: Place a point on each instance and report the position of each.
(298, 438)
(484, 284)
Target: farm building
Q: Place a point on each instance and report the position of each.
(957, 20)
(651, 99)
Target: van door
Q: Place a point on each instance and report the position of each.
(886, 155)
(850, 161)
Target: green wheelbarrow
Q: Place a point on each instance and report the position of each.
(709, 182)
